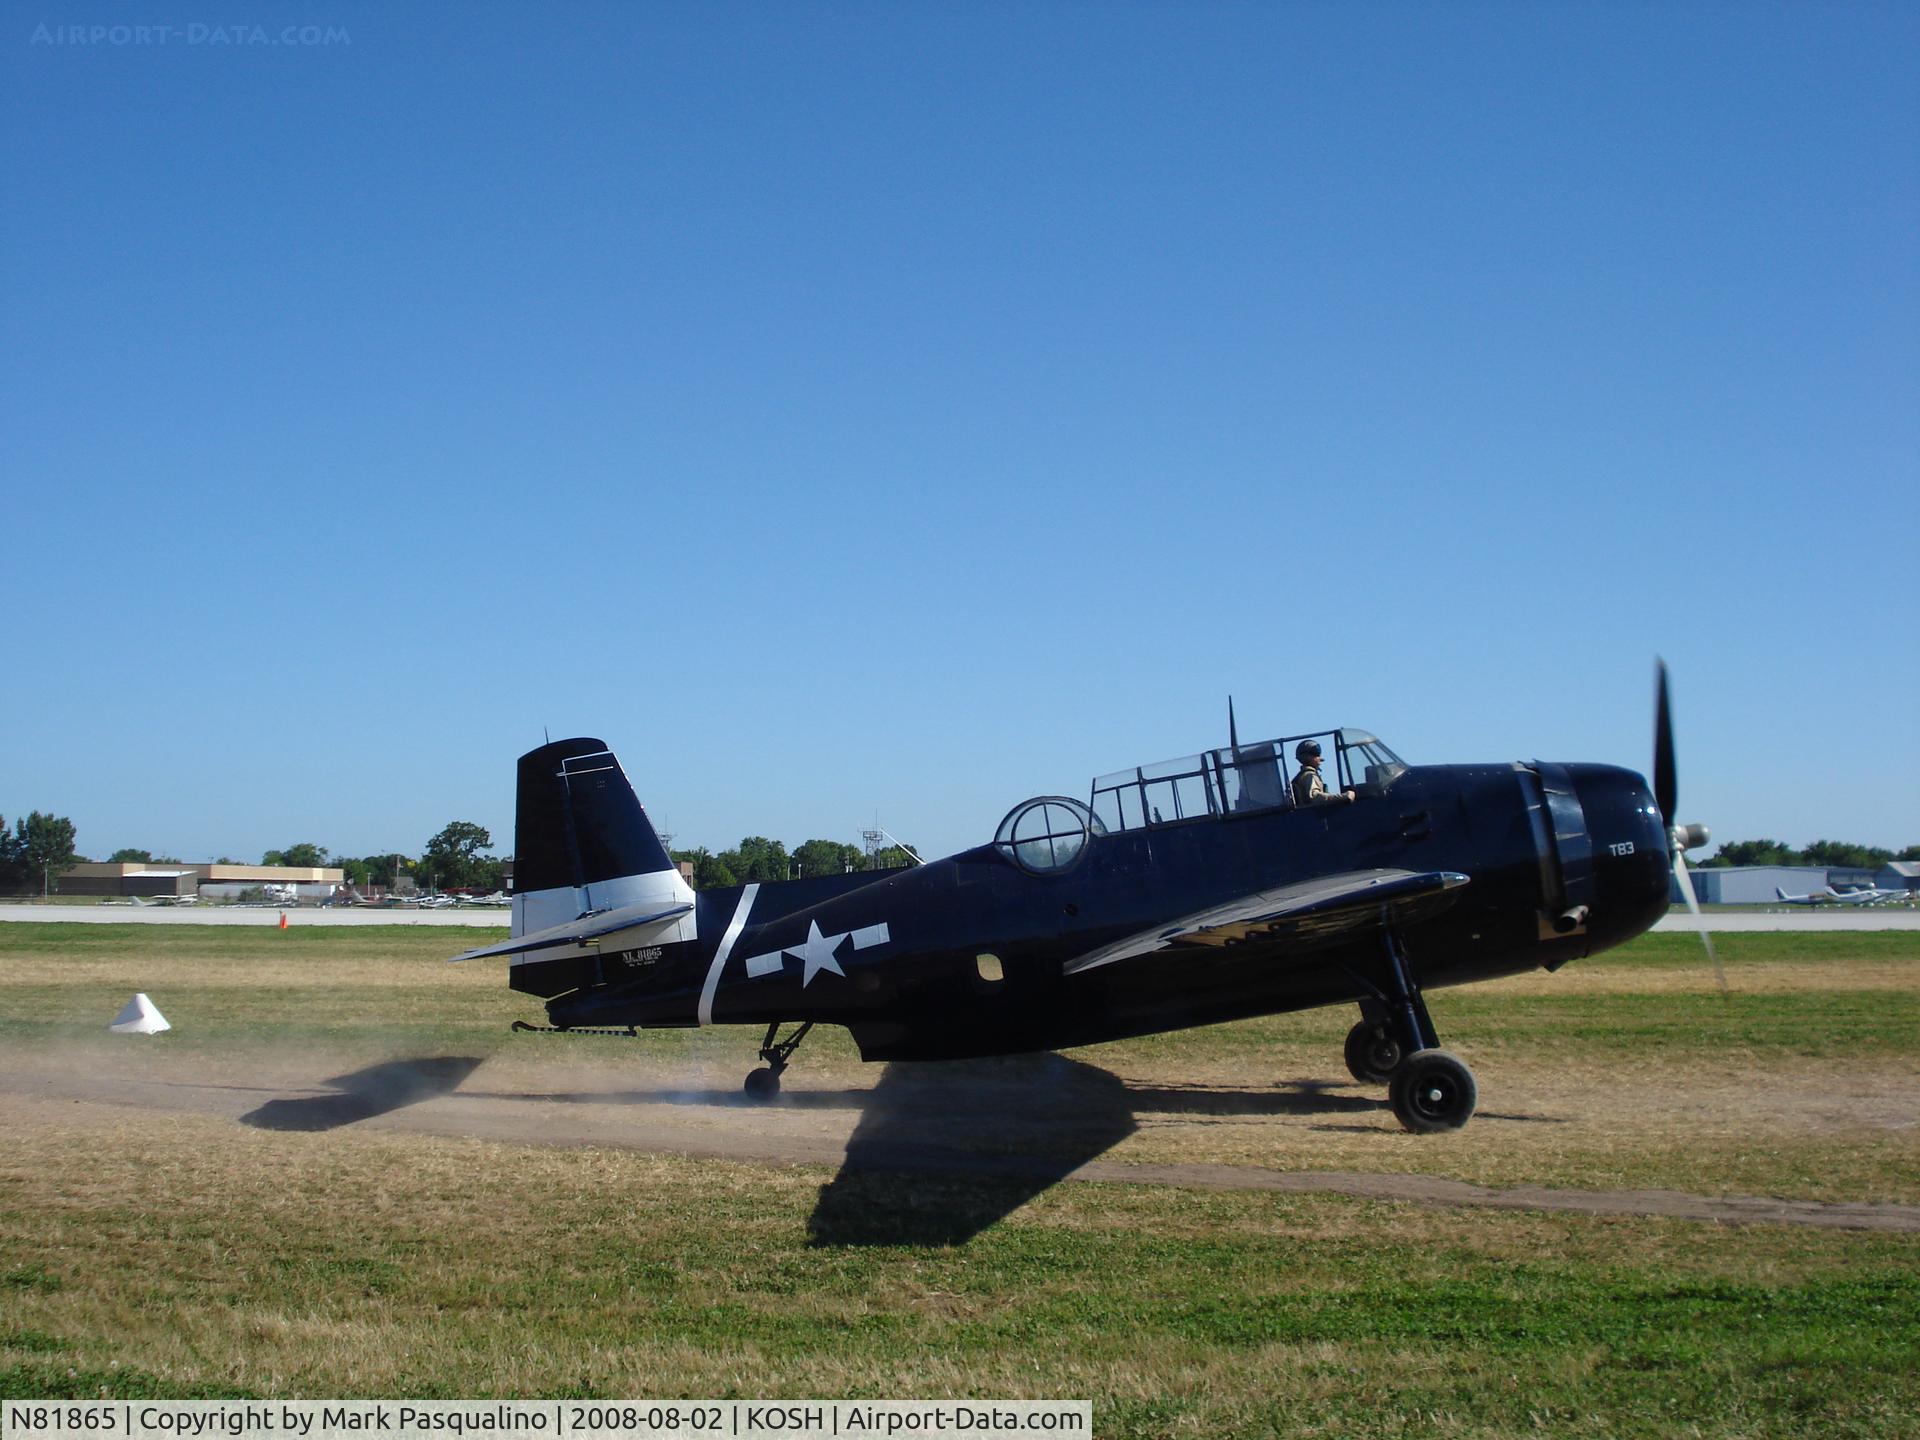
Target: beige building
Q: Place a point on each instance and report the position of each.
(214, 882)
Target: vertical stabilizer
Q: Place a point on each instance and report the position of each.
(582, 841)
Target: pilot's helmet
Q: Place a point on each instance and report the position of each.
(1306, 749)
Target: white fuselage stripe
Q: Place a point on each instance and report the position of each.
(722, 950)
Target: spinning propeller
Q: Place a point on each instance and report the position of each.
(1666, 794)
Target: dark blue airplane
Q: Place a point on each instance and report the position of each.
(1213, 888)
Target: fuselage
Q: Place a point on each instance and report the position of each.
(968, 955)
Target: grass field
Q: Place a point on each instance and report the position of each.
(171, 1251)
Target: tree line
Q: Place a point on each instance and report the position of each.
(451, 860)
(758, 860)
(1827, 854)
(38, 849)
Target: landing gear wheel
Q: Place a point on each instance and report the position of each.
(1372, 1052)
(764, 1084)
(1433, 1091)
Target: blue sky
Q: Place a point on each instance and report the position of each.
(900, 409)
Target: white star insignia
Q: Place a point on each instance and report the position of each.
(817, 954)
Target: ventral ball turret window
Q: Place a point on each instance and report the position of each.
(1048, 835)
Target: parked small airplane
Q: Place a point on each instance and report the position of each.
(1871, 895)
(1830, 896)
(1203, 890)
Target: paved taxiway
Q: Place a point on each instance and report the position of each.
(251, 915)
(1877, 918)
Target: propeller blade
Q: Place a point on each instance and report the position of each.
(1706, 937)
(1666, 782)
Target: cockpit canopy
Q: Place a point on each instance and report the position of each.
(1049, 833)
(1238, 780)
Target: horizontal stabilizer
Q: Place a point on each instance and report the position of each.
(1307, 914)
(592, 926)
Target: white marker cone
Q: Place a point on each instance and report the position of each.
(139, 1018)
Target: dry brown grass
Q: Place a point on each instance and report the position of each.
(1579, 1086)
(353, 1262)
(1774, 977)
(529, 1232)
(1731, 1106)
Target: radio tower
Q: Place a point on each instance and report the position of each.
(878, 840)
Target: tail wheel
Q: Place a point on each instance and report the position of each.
(1372, 1052)
(1433, 1091)
(762, 1084)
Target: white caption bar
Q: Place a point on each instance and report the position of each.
(534, 1419)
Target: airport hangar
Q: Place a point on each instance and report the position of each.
(1756, 884)
(161, 879)
(211, 882)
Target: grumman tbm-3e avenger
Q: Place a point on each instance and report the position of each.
(1188, 893)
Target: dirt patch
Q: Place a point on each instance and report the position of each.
(1036, 1120)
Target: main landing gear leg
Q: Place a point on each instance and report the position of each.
(1429, 1088)
(763, 1084)
(1406, 1006)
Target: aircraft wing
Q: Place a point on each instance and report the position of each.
(1311, 912)
(591, 926)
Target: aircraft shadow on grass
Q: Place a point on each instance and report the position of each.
(943, 1151)
(363, 1094)
(946, 1149)
(935, 1088)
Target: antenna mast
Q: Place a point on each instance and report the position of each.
(874, 839)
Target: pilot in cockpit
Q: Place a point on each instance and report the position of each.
(1308, 787)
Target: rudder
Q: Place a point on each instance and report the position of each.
(582, 840)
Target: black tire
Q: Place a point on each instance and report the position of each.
(1372, 1053)
(1433, 1091)
(762, 1085)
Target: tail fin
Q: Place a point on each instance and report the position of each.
(1780, 891)
(582, 841)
